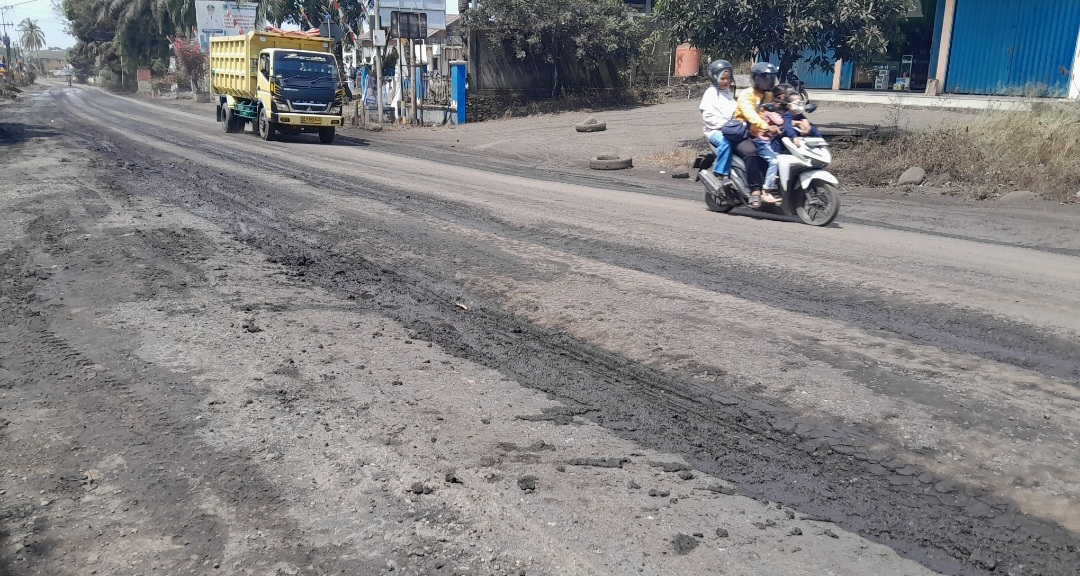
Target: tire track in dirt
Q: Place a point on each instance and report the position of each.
(949, 328)
(118, 439)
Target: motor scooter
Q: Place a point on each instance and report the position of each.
(807, 189)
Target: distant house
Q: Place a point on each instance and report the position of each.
(51, 60)
(451, 46)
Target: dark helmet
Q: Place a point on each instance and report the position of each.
(718, 67)
(763, 75)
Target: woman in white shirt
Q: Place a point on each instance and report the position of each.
(717, 107)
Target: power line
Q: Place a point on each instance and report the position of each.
(18, 4)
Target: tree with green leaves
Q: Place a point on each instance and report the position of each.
(32, 37)
(587, 32)
(135, 31)
(849, 29)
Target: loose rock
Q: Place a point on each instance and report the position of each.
(684, 544)
(1019, 197)
(912, 176)
(527, 483)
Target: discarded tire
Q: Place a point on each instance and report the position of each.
(611, 163)
(597, 127)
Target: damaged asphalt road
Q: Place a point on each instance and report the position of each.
(223, 354)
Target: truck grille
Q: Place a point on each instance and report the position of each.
(298, 106)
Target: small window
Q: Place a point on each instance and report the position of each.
(264, 65)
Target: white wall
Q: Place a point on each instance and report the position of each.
(1074, 84)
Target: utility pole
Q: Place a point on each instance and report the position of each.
(7, 39)
(414, 79)
(378, 62)
(7, 43)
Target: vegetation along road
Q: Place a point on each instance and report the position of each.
(224, 355)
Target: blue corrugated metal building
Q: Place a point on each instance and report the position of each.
(1010, 47)
(1021, 47)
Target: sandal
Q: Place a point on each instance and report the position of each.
(767, 196)
(755, 200)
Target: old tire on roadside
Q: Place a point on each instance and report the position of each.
(611, 163)
(598, 127)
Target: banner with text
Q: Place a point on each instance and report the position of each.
(222, 19)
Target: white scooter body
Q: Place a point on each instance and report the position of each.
(808, 162)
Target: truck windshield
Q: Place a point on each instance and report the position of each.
(304, 65)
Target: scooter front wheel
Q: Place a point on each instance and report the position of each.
(821, 204)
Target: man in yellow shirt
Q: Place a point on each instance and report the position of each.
(763, 76)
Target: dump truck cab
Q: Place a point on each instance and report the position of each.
(282, 84)
(301, 89)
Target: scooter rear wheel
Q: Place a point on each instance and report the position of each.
(821, 204)
(715, 204)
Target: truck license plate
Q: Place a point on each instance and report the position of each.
(309, 120)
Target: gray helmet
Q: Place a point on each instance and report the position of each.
(763, 75)
(718, 67)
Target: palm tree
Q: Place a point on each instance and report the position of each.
(32, 37)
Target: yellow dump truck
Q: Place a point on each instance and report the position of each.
(282, 84)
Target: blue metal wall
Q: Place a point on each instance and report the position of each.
(935, 46)
(815, 77)
(1013, 47)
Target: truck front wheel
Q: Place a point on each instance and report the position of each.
(266, 127)
(326, 135)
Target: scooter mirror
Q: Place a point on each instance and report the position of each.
(810, 107)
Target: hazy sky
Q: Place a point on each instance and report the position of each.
(52, 23)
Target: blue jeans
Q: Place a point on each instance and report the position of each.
(764, 149)
(723, 154)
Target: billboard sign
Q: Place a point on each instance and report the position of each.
(435, 11)
(218, 18)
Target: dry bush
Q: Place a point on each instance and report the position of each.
(673, 157)
(998, 152)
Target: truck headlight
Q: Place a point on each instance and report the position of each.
(335, 109)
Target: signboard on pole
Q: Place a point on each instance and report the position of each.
(222, 18)
(435, 11)
(408, 25)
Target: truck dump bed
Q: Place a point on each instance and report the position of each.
(234, 60)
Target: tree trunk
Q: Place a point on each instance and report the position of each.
(787, 62)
